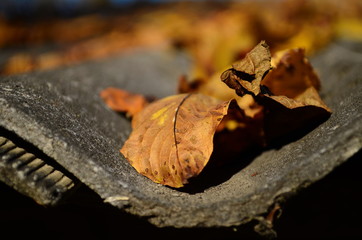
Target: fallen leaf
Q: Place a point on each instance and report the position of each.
(123, 101)
(238, 132)
(292, 102)
(286, 116)
(288, 94)
(241, 128)
(309, 97)
(292, 74)
(213, 87)
(172, 139)
(245, 75)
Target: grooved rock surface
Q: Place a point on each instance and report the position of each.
(61, 113)
(31, 175)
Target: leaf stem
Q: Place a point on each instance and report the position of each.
(174, 124)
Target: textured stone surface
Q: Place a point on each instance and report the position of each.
(61, 114)
(33, 175)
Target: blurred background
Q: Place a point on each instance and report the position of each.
(46, 34)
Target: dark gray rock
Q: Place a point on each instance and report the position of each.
(31, 175)
(61, 113)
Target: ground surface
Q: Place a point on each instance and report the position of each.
(83, 141)
(329, 208)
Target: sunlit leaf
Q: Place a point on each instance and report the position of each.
(172, 139)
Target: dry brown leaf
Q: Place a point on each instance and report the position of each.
(123, 101)
(215, 88)
(241, 128)
(285, 116)
(172, 139)
(309, 97)
(237, 133)
(292, 74)
(245, 75)
(289, 97)
(293, 83)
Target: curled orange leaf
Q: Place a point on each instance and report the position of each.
(245, 75)
(288, 93)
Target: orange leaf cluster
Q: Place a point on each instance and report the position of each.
(173, 138)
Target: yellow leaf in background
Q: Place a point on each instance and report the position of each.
(349, 29)
(309, 37)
